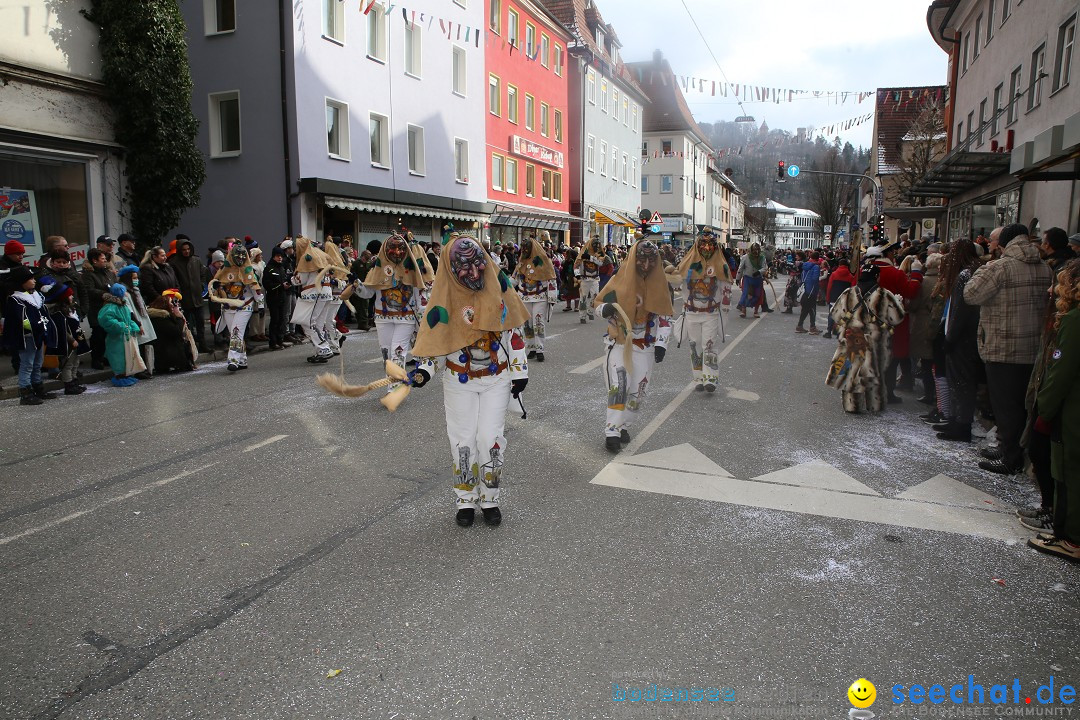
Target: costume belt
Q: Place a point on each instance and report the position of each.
(710, 308)
(395, 313)
(644, 342)
(465, 374)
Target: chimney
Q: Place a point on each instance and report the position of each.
(657, 57)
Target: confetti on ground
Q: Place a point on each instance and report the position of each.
(999, 581)
(333, 673)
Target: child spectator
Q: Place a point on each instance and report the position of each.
(27, 330)
(68, 340)
(116, 321)
(174, 348)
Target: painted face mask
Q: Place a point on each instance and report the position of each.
(467, 261)
(239, 256)
(526, 248)
(707, 247)
(396, 249)
(648, 257)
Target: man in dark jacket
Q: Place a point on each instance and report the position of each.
(276, 281)
(97, 277)
(191, 278)
(156, 275)
(360, 268)
(125, 255)
(58, 264)
(1055, 249)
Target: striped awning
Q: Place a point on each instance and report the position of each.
(393, 209)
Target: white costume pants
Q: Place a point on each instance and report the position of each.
(536, 326)
(322, 326)
(475, 421)
(703, 332)
(395, 339)
(236, 321)
(589, 290)
(626, 386)
(308, 314)
(333, 336)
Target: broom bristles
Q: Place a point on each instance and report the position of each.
(337, 385)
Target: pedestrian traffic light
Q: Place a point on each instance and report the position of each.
(780, 169)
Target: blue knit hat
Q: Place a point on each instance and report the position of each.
(127, 270)
(118, 290)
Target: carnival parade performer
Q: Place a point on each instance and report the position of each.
(637, 306)
(535, 280)
(587, 271)
(751, 275)
(342, 285)
(237, 289)
(470, 326)
(707, 275)
(398, 282)
(316, 296)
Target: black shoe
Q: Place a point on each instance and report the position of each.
(699, 388)
(710, 388)
(894, 400)
(583, 321)
(465, 517)
(232, 367)
(74, 388)
(27, 397)
(933, 417)
(787, 312)
(998, 466)
(926, 399)
(992, 453)
(624, 437)
(39, 391)
(531, 355)
(492, 516)
(956, 432)
(318, 359)
(243, 367)
(539, 357)
(613, 443)
(942, 426)
(827, 336)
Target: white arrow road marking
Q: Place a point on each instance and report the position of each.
(589, 366)
(818, 489)
(264, 443)
(683, 457)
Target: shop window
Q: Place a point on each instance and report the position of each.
(225, 124)
(45, 196)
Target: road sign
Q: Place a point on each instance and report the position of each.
(827, 229)
(879, 201)
(793, 171)
(656, 219)
(828, 237)
(655, 229)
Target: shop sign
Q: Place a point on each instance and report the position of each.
(18, 219)
(535, 151)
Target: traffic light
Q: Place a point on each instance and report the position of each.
(781, 168)
(877, 230)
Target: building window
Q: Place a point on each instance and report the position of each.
(558, 125)
(545, 184)
(625, 112)
(417, 163)
(603, 94)
(615, 104)
(603, 158)
(530, 180)
(644, 184)
(459, 3)
(376, 26)
(1006, 10)
(665, 184)
(967, 50)
(590, 154)
(379, 132)
(460, 76)
(1063, 63)
(511, 104)
(413, 52)
(337, 129)
(1015, 91)
(530, 39)
(494, 95)
(530, 111)
(665, 145)
(512, 27)
(614, 163)
(970, 123)
(219, 16)
(558, 60)
(544, 129)
(461, 160)
(545, 50)
(990, 21)
(591, 84)
(495, 16)
(982, 121)
(633, 115)
(625, 169)
(556, 187)
(995, 123)
(496, 172)
(1038, 72)
(633, 172)
(976, 38)
(644, 148)
(510, 181)
(225, 124)
(334, 20)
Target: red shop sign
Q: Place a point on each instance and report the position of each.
(535, 151)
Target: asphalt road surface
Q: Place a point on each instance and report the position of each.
(216, 545)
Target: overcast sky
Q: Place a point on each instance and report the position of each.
(854, 45)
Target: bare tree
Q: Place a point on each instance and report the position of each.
(828, 192)
(760, 221)
(920, 149)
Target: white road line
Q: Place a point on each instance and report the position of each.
(589, 366)
(264, 443)
(672, 406)
(110, 501)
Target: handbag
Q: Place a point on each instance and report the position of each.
(800, 293)
(133, 362)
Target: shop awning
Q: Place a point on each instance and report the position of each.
(936, 212)
(603, 216)
(522, 216)
(1053, 154)
(394, 209)
(961, 170)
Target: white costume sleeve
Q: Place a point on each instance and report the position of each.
(518, 363)
(552, 292)
(663, 330)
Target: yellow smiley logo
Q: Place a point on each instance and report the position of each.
(862, 693)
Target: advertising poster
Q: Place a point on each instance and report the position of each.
(19, 220)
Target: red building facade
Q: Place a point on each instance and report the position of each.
(528, 118)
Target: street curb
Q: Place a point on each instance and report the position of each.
(10, 392)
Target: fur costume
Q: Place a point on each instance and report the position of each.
(706, 280)
(587, 272)
(315, 281)
(535, 280)
(470, 327)
(637, 335)
(863, 329)
(237, 289)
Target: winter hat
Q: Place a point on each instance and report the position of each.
(277, 252)
(218, 256)
(117, 290)
(1074, 240)
(14, 247)
(124, 237)
(1010, 233)
(172, 294)
(19, 275)
(127, 270)
(286, 244)
(54, 290)
(249, 243)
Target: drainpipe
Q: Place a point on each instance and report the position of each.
(285, 117)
